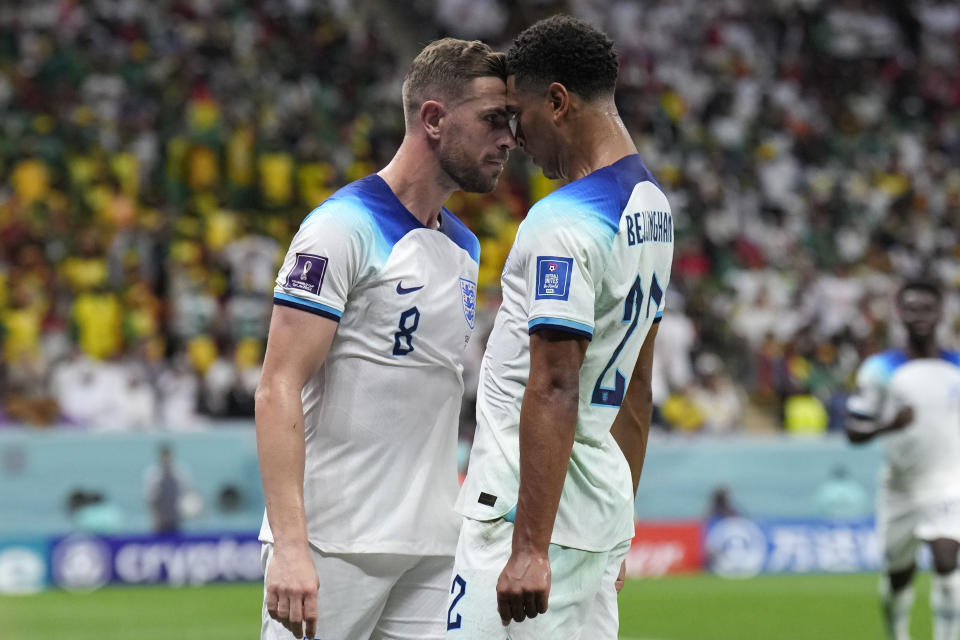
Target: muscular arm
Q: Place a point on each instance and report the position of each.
(632, 425)
(297, 344)
(548, 420)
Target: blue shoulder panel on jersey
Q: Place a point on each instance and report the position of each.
(393, 220)
(953, 357)
(559, 324)
(285, 300)
(453, 228)
(604, 192)
(373, 196)
(882, 365)
(389, 215)
(340, 196)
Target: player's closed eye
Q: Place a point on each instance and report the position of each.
(497, 120)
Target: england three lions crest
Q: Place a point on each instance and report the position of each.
(468, 293)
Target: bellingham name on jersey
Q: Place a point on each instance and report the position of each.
(649, 226)
(593, 259)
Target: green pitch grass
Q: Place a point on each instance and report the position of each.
(674, 608)
(816, 607)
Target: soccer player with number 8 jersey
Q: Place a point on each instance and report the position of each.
(358, 404)
(563, 408)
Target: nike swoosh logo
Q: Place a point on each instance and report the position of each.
(403, 291)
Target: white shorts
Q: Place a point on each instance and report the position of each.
(373, 596)
(583, 596)
(904, 523)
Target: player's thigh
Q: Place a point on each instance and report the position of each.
(603, 619)
(416, 608)
(577, 577)
(482, 552)
(939, 525)
(897, 521)
(353, 591)
(940, 518)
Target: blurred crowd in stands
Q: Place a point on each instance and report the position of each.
(156, 158)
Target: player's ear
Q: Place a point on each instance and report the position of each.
(559, 99)
(431, 112)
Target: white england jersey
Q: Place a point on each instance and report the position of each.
(593, 259)
(922, 460)
(381, 415)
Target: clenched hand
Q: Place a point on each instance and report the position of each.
(524, 586)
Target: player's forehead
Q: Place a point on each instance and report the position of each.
(484, 94)
(522, 97)
(514, 99)
(918, 299)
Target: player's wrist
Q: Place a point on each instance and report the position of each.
(291, 544)
(531, 546)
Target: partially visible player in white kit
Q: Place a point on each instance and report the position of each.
(563, 408)
(358, 404)
(912, 397)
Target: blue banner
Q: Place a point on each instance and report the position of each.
(739, 547)
(86, 562)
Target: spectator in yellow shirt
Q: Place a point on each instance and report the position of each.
(97, 320)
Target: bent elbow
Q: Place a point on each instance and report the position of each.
(645, 392)
(264, 396)
(563, 387)
(856, 437)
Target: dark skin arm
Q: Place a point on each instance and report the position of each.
(631, 428)
(863, 431)
(632, 425)
(548, 421)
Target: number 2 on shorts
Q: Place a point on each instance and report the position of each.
(458, 581)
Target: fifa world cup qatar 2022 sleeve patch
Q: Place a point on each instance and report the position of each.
(553, 277)
(307, 273)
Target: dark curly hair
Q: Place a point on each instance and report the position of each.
(566, 50)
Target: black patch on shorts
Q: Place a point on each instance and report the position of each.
(487, 499)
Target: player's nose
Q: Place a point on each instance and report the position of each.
(507, 141)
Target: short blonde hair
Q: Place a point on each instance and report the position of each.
(443, 69)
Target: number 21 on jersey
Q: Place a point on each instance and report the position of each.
(632, 308)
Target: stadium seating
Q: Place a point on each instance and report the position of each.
(155, 160)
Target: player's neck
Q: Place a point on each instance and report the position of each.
(599, 139)
(922, 348)
(418, 182)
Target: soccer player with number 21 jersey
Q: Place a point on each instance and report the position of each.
(563, 408)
